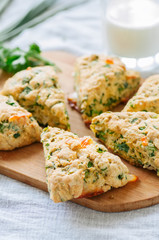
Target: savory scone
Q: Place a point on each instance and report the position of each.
(79, 167)
(133, 135)
(38, 91)
(17, 126)
(147, 97)
(102, 83)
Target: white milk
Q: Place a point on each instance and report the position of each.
(132, 28)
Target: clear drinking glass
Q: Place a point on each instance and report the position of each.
(131, 31)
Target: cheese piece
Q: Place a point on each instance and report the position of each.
(132, 135)
(147, 97)
(37, 90)
(17, 126)
(79, 167)
(102, 83)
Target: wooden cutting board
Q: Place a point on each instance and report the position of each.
(27, 164)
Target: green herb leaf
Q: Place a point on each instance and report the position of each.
(100, 150)
(123, 147)
(15, 60)
(100, 135)
(27, 90)
(25, 80)
(10, 103)
(103, 169)
(151, 148)
(16, 135)
(90, 164)
(121, 176)
(2, 126)
(133, 120)
(110, 101)
(142, 128)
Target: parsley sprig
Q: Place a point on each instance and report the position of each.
(16, 59)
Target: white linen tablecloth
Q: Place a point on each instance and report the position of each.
(27, 213)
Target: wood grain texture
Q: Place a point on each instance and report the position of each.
(27, 164)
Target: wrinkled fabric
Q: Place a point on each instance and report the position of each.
(27, 213)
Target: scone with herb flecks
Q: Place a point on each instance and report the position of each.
(147, 97)
(37, 90)
(79, 167)
(133, 135)
(17, 126)
(101, 83)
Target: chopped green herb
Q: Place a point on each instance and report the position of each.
(133, 120)
(90, 164)
(10, 102)
(48, 95)
(100, 150)
(121, 176)
(25, 80)
(139, 162)
(37, 85)
(142, 128)
(110, 101)
(53, 166)
(93, 112)
(87, 172)
(122, 87)
(96, 123)
(27, 90)
(109, 131)
(151, 148)
(103, 169)
(2, 127)
(16, 135)
(106, 78)
(126, 84)
(31, 119)
(39, 105)
(100, 135)
(131, 105)
(96, 177)
(123, 147)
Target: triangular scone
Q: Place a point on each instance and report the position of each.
(101, 83)
(147, 97)
(79, 167)
(17, 126)
(133, 135)
(38, 91)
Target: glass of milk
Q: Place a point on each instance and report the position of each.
(131, 31)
